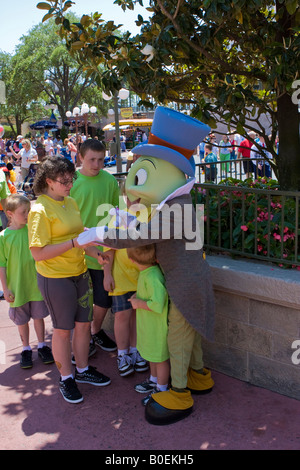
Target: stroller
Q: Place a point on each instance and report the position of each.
(109, 161)
(26, 187)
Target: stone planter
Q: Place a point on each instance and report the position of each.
(257, 322)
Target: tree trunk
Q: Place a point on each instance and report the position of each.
(288, 159)
(19, 123)
(11, 125)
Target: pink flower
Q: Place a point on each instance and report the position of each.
(244, 228)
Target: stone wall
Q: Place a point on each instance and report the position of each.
(257, 321)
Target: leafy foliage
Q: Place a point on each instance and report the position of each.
(233, 61)
(41, 71)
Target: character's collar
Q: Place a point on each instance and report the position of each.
(185, 189)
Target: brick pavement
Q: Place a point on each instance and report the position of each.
(34, 416)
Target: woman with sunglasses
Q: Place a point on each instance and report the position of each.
(63, 279)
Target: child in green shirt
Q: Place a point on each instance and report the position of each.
(96, 191)
(151, 304)
(19, 281)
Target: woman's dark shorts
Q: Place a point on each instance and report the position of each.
(68, 299)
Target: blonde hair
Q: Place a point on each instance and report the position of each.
(14, 201)
(145, 255)
(26, 141)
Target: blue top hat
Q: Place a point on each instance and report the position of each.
(173, 138)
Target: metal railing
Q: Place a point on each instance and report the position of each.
(254, 223)
(225, 169)
(220, 170)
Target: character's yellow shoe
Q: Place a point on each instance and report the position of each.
(200, 383)
(169, 407)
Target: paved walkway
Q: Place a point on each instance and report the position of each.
(34, 416)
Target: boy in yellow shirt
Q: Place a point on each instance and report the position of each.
(120, 280)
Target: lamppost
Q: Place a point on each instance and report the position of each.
(123, 95)
(79, 115)
(84, 113)
(75, 114)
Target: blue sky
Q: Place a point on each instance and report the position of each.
(19, 16)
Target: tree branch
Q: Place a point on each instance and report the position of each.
(226, 67)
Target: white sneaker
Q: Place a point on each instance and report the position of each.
(125, 365)
(140, 365)
(145, 387)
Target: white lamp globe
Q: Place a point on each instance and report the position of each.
(106, 97)
(93, 109)
(110, 112)
(76, 111)
(85, 108)
(68, 114)
(123, 94)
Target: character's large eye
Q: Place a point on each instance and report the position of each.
(140, 177)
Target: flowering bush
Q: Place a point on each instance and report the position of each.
(250, 222)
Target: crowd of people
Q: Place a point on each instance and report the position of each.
(24, 150)
(43, 271)
(232, 147)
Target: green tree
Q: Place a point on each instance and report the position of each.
(49, 68)
(19, 95)
(234, 61)
(42, 71)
